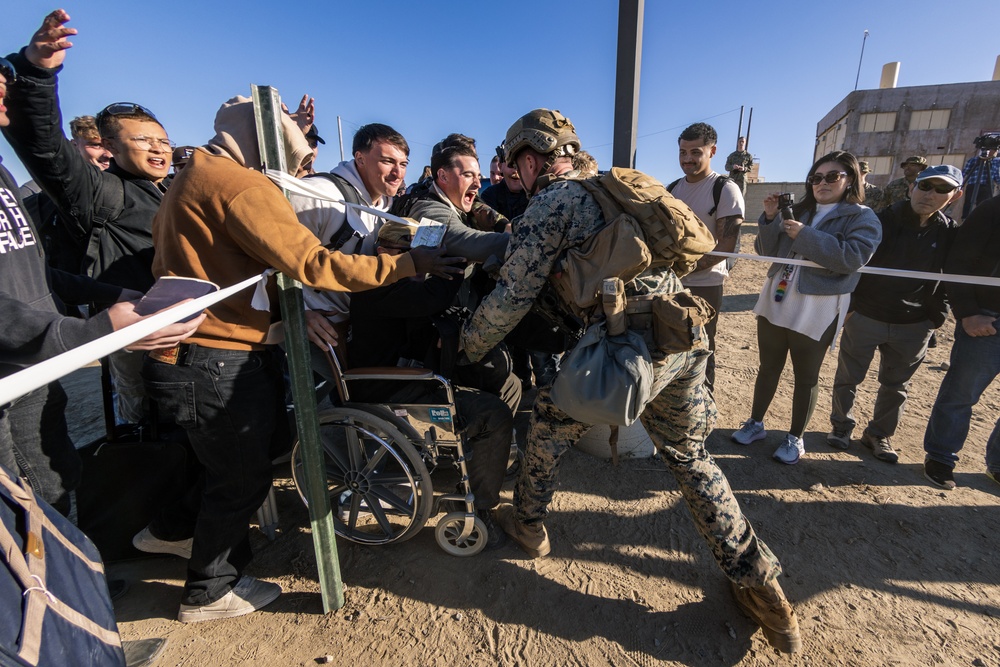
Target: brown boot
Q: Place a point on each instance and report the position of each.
(534, 540)
(767, 606)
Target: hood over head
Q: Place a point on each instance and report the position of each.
(236, 136)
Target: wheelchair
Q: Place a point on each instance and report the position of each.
(379, 458)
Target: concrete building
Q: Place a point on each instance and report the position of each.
(886, 125)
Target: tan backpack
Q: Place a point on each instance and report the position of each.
(675, 235)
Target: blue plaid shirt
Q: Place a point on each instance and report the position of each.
(973, 176)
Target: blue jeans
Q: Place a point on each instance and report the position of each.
(975, 363)
(231, 403)
(34, 441)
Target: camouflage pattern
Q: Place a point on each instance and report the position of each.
(896, 191)
(736, 159)
(679, 420)
(874, 197)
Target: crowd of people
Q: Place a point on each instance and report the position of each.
(107, 216)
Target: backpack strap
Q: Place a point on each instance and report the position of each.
(717, 188)
(673, 184)
(108, 207)
(350, 194)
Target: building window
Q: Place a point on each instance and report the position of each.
(877, 122)
(930, 119)
(955, 159)
(878, 165)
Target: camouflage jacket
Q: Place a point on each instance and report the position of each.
(896, 191)
(874, 197)
(561, 216)
(739, 159)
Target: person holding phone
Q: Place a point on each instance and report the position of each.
(801, 308)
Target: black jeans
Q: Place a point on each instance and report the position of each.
(231, 403)
(34, 442)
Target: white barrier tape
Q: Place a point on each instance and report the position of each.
(301, 186)
(44, 372)
(879, 271)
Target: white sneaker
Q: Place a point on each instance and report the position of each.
(791, 450)
(750, 431)
(247, 596)
(146, 541)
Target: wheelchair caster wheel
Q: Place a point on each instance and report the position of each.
(449, 535)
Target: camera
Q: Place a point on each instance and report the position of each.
(785, 202)
(987, 142)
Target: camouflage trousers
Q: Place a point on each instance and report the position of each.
(679, 421)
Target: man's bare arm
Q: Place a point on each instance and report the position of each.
(727, 232)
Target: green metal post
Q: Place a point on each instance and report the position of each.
(267, 107)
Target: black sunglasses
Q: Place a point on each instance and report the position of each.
(941, 189)
(123, 109)
(829, 177)
(8, 71)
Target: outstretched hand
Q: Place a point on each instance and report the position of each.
(433, 261)
(48, 45)
(123, 314)
(305, 115)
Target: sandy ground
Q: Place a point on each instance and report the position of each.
(883, 568)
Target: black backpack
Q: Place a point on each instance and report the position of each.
(345, 232)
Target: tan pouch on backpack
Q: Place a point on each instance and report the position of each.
(677, 321)
(617, 250)
(675, 235)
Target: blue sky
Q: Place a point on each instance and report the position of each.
(431, 68)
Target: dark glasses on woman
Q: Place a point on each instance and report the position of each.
(829, 177)
(941, 189)
(8, 71)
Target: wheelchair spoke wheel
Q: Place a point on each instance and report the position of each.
(448, 534)
(380, 490)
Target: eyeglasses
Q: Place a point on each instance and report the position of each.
(941, 189)
(8, 71)
(146, 143)
(123, 109)
(829, 177)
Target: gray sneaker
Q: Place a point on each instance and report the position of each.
(880, 447)
(791, 450)
(149, 543)
(248, 595)
(750, 431)
(839, 438)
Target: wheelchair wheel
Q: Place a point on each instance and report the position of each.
(449, 535)
(380, 490)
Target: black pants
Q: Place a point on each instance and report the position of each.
(775, 345)
(231, 405)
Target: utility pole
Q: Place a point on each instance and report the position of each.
(858, 77)
(627, 82)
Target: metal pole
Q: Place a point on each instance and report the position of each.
(340, 132)
(267, 107)
(627, 81)
(749, 121)
(858, 77)
(739, 132)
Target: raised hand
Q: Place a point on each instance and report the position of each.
(433, 261)
(48, 45)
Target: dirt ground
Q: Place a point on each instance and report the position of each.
(883, 569)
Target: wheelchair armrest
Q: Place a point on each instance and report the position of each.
(388, 373)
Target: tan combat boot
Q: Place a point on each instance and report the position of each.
(767, 606)
(534, 540)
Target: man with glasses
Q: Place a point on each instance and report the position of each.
(110, 212)
(895, 315)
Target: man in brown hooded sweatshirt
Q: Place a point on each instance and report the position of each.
(224, 221)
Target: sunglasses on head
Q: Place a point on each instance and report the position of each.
(829, 177)
(123, 109)
(941, 189)
(8, 71)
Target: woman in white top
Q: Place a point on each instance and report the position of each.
(801, 309)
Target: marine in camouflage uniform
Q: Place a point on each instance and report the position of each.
(740, 158)
(899, 189)
(678, 420)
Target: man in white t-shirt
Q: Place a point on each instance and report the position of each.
(372, 178)
(722, 212)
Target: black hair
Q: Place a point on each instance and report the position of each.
(854, 194)
(368, 135)
(702, 131)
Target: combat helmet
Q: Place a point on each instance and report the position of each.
(546, 131)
